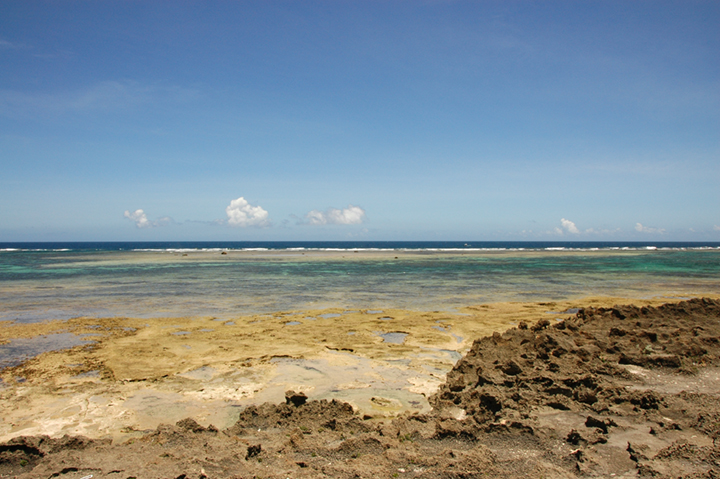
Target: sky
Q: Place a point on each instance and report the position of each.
(359, 120)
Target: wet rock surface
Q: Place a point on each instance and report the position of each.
(623, 391)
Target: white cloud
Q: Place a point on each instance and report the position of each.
(242, 213)
(716, 228)
(569, 226)
(139, 217)
(141, 220)
(352, 215)
(647, 229)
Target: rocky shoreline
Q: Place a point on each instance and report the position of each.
(624, 392)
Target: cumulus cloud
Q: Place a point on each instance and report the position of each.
(242, 213)
(141, 220)
(569, 226)
(139, 217)
(647, 229)
(716, 228)
(352, 215)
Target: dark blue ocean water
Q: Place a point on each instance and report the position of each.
(61, 280)
(363, 245)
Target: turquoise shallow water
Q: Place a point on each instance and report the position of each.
(57, 282)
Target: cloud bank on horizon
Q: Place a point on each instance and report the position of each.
(242, 214)
(352, 215)
(646, 229)
(141, 220)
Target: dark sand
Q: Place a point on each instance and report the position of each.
(612, 392)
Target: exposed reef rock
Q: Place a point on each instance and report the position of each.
(623, 391)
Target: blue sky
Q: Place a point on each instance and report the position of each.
(359, 120)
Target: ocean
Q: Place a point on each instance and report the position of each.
(40, 281)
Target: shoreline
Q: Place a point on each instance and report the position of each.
(628, 390)
(131, 374)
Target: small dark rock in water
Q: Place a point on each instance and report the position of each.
(296, 399)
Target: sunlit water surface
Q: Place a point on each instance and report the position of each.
(49, 284)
